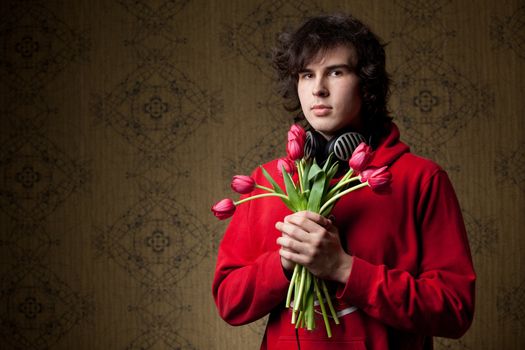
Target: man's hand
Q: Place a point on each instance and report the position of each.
(313, 241)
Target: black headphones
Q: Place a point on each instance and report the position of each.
(342, 146)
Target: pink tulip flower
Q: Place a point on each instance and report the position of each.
(361, 157)
(296, 141)
(288, 164)
(296, 133)
(365, 174)
(295, 149)
(224, 209)
(243, 184)
(378, 179)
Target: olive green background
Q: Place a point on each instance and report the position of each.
(123, 121)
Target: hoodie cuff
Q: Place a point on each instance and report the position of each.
(360, 284)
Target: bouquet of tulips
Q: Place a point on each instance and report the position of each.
(314, 191)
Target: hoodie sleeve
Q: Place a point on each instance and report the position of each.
(249, 280)
(439, 300)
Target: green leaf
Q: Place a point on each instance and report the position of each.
(277, 188)
(296, 200)
(270, 179)
(332, 171)
(288, 204)
(329, 176)
(306, 194)
(306, 168)
(328, 162)
(316, 192)
(314, 171)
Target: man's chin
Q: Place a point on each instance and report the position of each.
(327, 134)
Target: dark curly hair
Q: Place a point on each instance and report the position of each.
(296, 49)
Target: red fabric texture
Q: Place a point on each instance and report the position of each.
(412, 276)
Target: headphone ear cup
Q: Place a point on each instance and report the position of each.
(314, 146)
(344, 145)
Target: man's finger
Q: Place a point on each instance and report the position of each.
(308, 226)
(294, 231)
(317, 218)
(291, 245)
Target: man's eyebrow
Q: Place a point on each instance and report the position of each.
(332, 67)
(337, 66)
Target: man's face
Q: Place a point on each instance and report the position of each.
(329, 93)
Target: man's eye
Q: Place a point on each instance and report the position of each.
(306, 75)
(336, 73)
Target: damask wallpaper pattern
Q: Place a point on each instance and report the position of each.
(122, 121)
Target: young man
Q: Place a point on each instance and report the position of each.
(398, 262)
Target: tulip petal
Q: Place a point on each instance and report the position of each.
(361, 157)
(243, 184)
(224, 209)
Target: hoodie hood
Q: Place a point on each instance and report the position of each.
(390, 148)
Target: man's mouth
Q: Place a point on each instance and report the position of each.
(321, 110)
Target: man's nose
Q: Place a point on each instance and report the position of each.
(320, 88)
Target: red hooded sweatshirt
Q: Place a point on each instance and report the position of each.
(412, 276)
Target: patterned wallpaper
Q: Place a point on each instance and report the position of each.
(122, 121)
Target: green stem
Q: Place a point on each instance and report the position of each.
(292, 284)
(261, 196)
(340, 184)
(296, 288)
(336, 197)
(310, 322)
(265, 188)
(308, 284)
(329, 302)
(300, 171)
(299, 320)
(323, 309)
(349, 173)
(297, 302)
